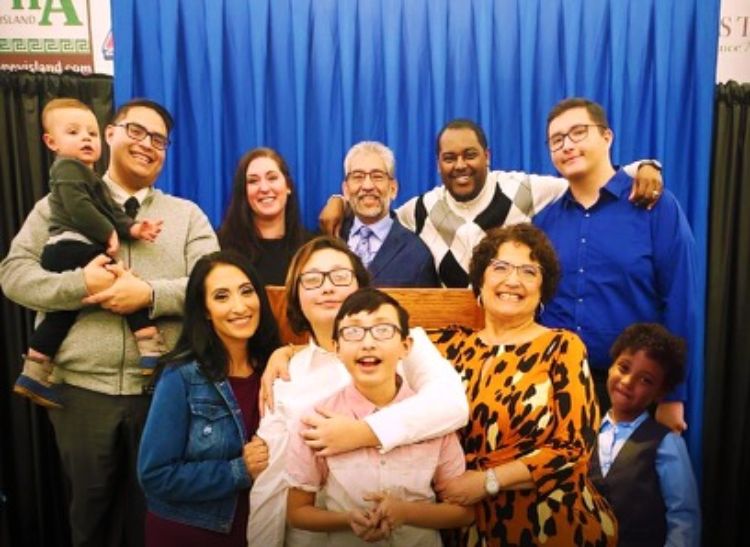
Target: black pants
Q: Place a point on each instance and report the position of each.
(98, 437)
(59, 257)
(600, 388)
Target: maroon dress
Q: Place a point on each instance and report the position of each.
(161, 532)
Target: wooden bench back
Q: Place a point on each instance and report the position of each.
(428, 308)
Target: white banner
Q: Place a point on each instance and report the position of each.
(55, 36)
(733, 62)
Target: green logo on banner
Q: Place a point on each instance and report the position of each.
(51, 6)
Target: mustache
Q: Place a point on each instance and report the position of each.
(463, 171)
(361, 196)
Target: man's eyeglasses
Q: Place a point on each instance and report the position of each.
(137, 132)
(340, 277)
(380, 332)
(525, 272)
(377, 176)
(576, 134)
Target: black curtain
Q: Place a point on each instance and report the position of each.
(727, 403)
(33, 506)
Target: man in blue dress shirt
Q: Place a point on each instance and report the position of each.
(621, 264)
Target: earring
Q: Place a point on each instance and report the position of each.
(541, 308)
(479, 300)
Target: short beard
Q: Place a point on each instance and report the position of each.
(478, 187)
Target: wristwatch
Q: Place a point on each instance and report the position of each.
(491, 486)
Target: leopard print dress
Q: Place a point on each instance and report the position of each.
(535, 403)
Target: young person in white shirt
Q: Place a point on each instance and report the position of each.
(322, 274)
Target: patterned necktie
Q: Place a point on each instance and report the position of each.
(363, 245)
(131, 206)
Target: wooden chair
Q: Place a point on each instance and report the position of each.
(428, 308)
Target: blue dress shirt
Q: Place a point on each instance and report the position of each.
(621, 264)
(678, 487)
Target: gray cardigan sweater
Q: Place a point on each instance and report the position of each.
(99, 352)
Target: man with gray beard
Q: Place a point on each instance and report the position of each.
(394, 256)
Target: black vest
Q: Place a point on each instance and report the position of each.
(632, 487)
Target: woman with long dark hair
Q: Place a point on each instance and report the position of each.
(196, 463)
(263, 217)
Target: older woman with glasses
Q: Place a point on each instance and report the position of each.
(533, 414)
(322, 274)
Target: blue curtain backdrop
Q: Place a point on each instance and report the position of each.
(312, 77)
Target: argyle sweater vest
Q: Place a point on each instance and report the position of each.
(452, 238)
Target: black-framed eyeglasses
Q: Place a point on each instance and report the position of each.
(576, 134)
(526, 272)
(377, 176)
(137, 132)
(380, 332)
(340, 277)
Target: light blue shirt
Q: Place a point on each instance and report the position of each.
(675, 473)
(379, 229)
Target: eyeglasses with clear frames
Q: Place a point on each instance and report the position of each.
(380, 332)
(340, 277)
(138, 133)
(525, 272)
(576, 134)
(377, 176)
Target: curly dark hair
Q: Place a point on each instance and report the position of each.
(527, 234)
(237, 230)
(660, 345)
(297, 320)
(198, 340)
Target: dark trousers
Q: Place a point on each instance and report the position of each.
(98, 437)
(600, 388)
(59, 257)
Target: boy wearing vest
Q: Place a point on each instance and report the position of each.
(373, 498)
(640, 466)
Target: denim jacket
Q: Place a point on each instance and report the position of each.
(190, 460)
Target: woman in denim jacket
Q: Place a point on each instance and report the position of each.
(195, 462)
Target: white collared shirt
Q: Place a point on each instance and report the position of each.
(120, 195)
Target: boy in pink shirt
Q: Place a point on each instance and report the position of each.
(369, 496)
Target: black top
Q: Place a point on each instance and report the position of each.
(274, 258)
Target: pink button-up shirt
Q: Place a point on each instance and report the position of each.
(407, 472)
(438, 407)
